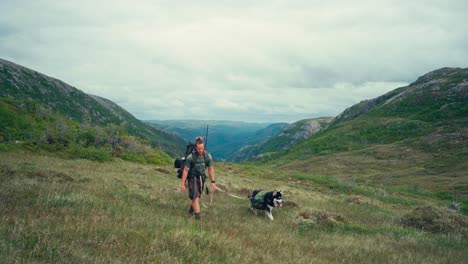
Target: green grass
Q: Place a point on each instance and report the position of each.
(351, 187)
(447, 196)
(74, 211)
(395, 232)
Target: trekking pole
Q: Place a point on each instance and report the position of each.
(206, 136)
(201, 187)
(211, 196)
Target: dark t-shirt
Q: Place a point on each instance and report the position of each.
(198, 164)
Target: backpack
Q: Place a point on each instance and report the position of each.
(179, 164)
(257, 199)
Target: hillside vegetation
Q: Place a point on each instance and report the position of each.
(23, 84)
(413, 136)
(28, 126)
(80, 211)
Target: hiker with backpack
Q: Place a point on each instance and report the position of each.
(194, 173)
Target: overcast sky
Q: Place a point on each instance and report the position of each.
(255, 61)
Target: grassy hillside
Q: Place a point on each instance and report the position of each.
(75, 211)
(18, 82)
(23, 84)
(437, 96)
(413, 136)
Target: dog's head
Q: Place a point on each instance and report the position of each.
(277, 199)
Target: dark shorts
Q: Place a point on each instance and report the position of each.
(196, 185)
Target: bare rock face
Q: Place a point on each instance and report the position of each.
(359, 109)
(302, 131)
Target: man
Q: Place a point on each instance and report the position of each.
(196, 164)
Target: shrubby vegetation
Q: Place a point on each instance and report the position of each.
(25, 124)
(358, 134)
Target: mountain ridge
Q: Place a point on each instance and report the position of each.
(21, 83)
(291, 135)
(415, 135)
(432, 80)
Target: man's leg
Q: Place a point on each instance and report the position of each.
(191, 194)
(196, 205)
(198, 185)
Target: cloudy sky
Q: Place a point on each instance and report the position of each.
(255, 61)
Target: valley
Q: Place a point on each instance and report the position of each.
(84, 181)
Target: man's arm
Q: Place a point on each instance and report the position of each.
(184, 177)
(212, 178)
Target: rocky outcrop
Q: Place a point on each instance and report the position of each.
(288, 137)
(359, 109)
(301, 130)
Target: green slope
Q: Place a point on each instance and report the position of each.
(421, 128)
(20, 83)
(28, 126)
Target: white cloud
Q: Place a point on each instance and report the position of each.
(243, 60)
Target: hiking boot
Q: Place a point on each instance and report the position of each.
(197, 216)
(190, 211)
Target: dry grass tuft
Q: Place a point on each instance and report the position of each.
(290, 204)
(354, 199)
(436, 220)
(244, 191)
(321, 218)
(328, 219)
(163, 170)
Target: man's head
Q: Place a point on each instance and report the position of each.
(199, 146)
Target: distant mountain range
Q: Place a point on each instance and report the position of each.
(224, 137)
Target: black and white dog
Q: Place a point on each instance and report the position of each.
(265, 200)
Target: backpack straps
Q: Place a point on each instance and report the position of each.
(205, 160)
